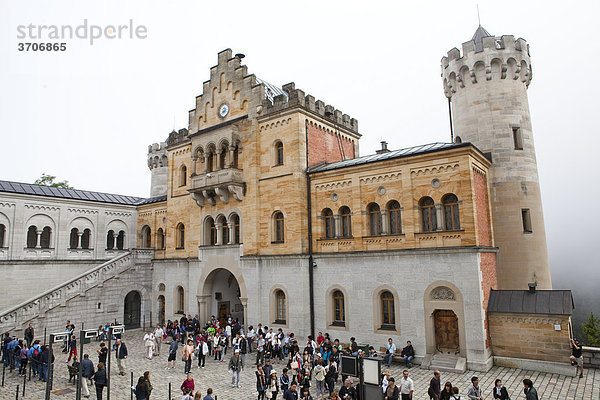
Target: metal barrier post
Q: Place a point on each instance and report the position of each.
(131, 391)
(17, 394)
(169, 390)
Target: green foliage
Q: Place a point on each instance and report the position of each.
(48, 180)
(591, 331)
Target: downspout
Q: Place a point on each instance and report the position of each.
(311, 287)
(450, 115)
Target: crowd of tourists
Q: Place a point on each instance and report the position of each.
(283, 365)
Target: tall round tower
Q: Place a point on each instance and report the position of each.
(487, 87)
(158, 164)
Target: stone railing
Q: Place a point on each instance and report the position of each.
(591, 357)
(18, 316)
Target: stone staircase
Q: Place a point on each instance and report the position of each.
(45, 304)
(445, 363)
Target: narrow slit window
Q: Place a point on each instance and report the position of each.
(526, 216)
(517, 138)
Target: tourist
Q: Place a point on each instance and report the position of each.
(268, 367)
(577, 357)
(188, 353)
(385, 380)
(87, 371)
(187, 394)
(121, 356)
(198, 395)
(334, 396)
(217, 346)
(159, 335)
(474, 392)
(251, 335)
(407, 386)
(102, 353)
(147, 378)
(306, 394)
(446, 393)
(243, 348)
(272, 386)
(209, 393)
(390, 348)
(261, 382)
(284, 380)
(331, 376)
(260, 349)
(202, 351)
(391, 392)
(100, 380)
(455, 395)
(44, 361)
(149, 344)
(434, 390)
(353, 347)
(188, 383)
(408, 353)
(23, 359)
(320, 372)
(141, 389)
(172, 354)
(347, 392)
(34, 355)
(529, 390)
(291, 393)
(500, 391)
(29, 332)
(72, 347)
(236, 367)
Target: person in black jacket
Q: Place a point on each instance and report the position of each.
(408, 353)
(100, 380)
(446, 393)
(529, 390)
(141, 389)
(87, 371)
(44, 358)
(392, 392)
(500, 391)
(347, 392)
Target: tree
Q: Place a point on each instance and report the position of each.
(48, 180)
(591, 331)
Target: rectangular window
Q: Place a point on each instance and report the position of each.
(526, 215)
(517, 138)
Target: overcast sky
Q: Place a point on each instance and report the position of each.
(88, 114)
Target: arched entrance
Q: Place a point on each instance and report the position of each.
(446, 331)
(161, 309)
(222, 294)
(132, 310)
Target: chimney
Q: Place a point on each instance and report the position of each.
(384, 148)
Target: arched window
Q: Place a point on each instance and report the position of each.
(225, 231)
(146, 237)
(329, 223)
(278, 153)
(74, 238)
(223, 158)
(180, 300)
(279, 307)
(279, 226)
(428, 215)
(183, 175)
(180, 235)
(346, 222)
(235, 221)
(121, 240)
(339, 308)
(451, 216)
(110, 240)
(45, 238)
(388, 310)
(374, 219)
(210, 232)
(235, 160)
(2, 234)
(394, 214)
(209, 162)
(160, 236)
(31, 237)
(85, 239)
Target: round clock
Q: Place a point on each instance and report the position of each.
(223, 110)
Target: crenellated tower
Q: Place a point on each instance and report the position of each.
(487, 87)
(158, 164)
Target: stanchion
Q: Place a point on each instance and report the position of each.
(17, 394)
(24, 382)
(3, 372)
(30, 370)
(44, 336)
(131, 390)
(150, 319)
(169, 390)
(144, 323)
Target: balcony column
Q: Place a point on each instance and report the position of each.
(231, 156)
(79, 235)
(231, 232)
(219, 166)
(438, 215)
(38, 242)
(195, 161)
(338, 225)
(219, 228)
(206, 167)
(385, 222)
(115, 236)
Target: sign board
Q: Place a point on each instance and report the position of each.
(373, 392)
(372, 370)
(117, 329)
(349, 365)
(90, 333)
(59, 337)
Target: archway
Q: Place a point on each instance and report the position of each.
(446, 331)
(444, 319)
(222, 293)
(132, 310)
(161, 309)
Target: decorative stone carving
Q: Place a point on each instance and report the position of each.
(223, 194)
(443, 293)
(198, 198)
(435, 183)
(334, 197)
(236, 191)
(381, 190)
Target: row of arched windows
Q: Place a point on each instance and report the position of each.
(39, 238)
(80, 241)
(389, 220)
(77, 240)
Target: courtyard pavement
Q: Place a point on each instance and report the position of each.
(216, 376)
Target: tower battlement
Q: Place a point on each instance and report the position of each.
(484, 59)
(296, 97)
(157, 155)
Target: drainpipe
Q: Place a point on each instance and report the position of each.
(311, 288)
(450, 115)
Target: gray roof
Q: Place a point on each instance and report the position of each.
(409, 151)
(271, 90)
(150, 200)
(480, 33)
(559, 302)
(76, 194)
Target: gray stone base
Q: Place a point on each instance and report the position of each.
(480, 366)
(535, 365)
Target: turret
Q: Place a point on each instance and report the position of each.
(487, 87)
(158, 164)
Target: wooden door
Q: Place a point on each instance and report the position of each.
(446, 331)
(223, 312)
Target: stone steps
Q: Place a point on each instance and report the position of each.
(445, 363)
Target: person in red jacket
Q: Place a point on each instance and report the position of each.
(188, 383)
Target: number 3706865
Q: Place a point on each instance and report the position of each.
(42, 46)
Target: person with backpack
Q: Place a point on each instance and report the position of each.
(320, 372)
(34, 356)
(23, 358)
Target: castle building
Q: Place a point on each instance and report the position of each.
(263, 209)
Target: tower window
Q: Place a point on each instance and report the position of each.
(526, 216)
(278, 153)
(517, 138)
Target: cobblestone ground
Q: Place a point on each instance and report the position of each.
(215, 375)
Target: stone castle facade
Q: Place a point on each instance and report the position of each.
(262, 208)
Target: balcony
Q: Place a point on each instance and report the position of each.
(222, 184)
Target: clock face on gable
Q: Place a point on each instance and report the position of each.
(223, 110)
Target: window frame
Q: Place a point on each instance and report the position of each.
(280, 307)
(431, 212)
(395, 217)
(339, 306)
(278, 227)
(451, 207)
(526, 219)
(329, 223)
(180, 236)
(517, 138)
(391, 311)
(375, 219)
(182, 175)
(279, 154)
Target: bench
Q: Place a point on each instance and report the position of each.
(73, 373)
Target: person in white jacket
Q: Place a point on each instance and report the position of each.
(202, 351)
(149, 344)
(158, 338)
